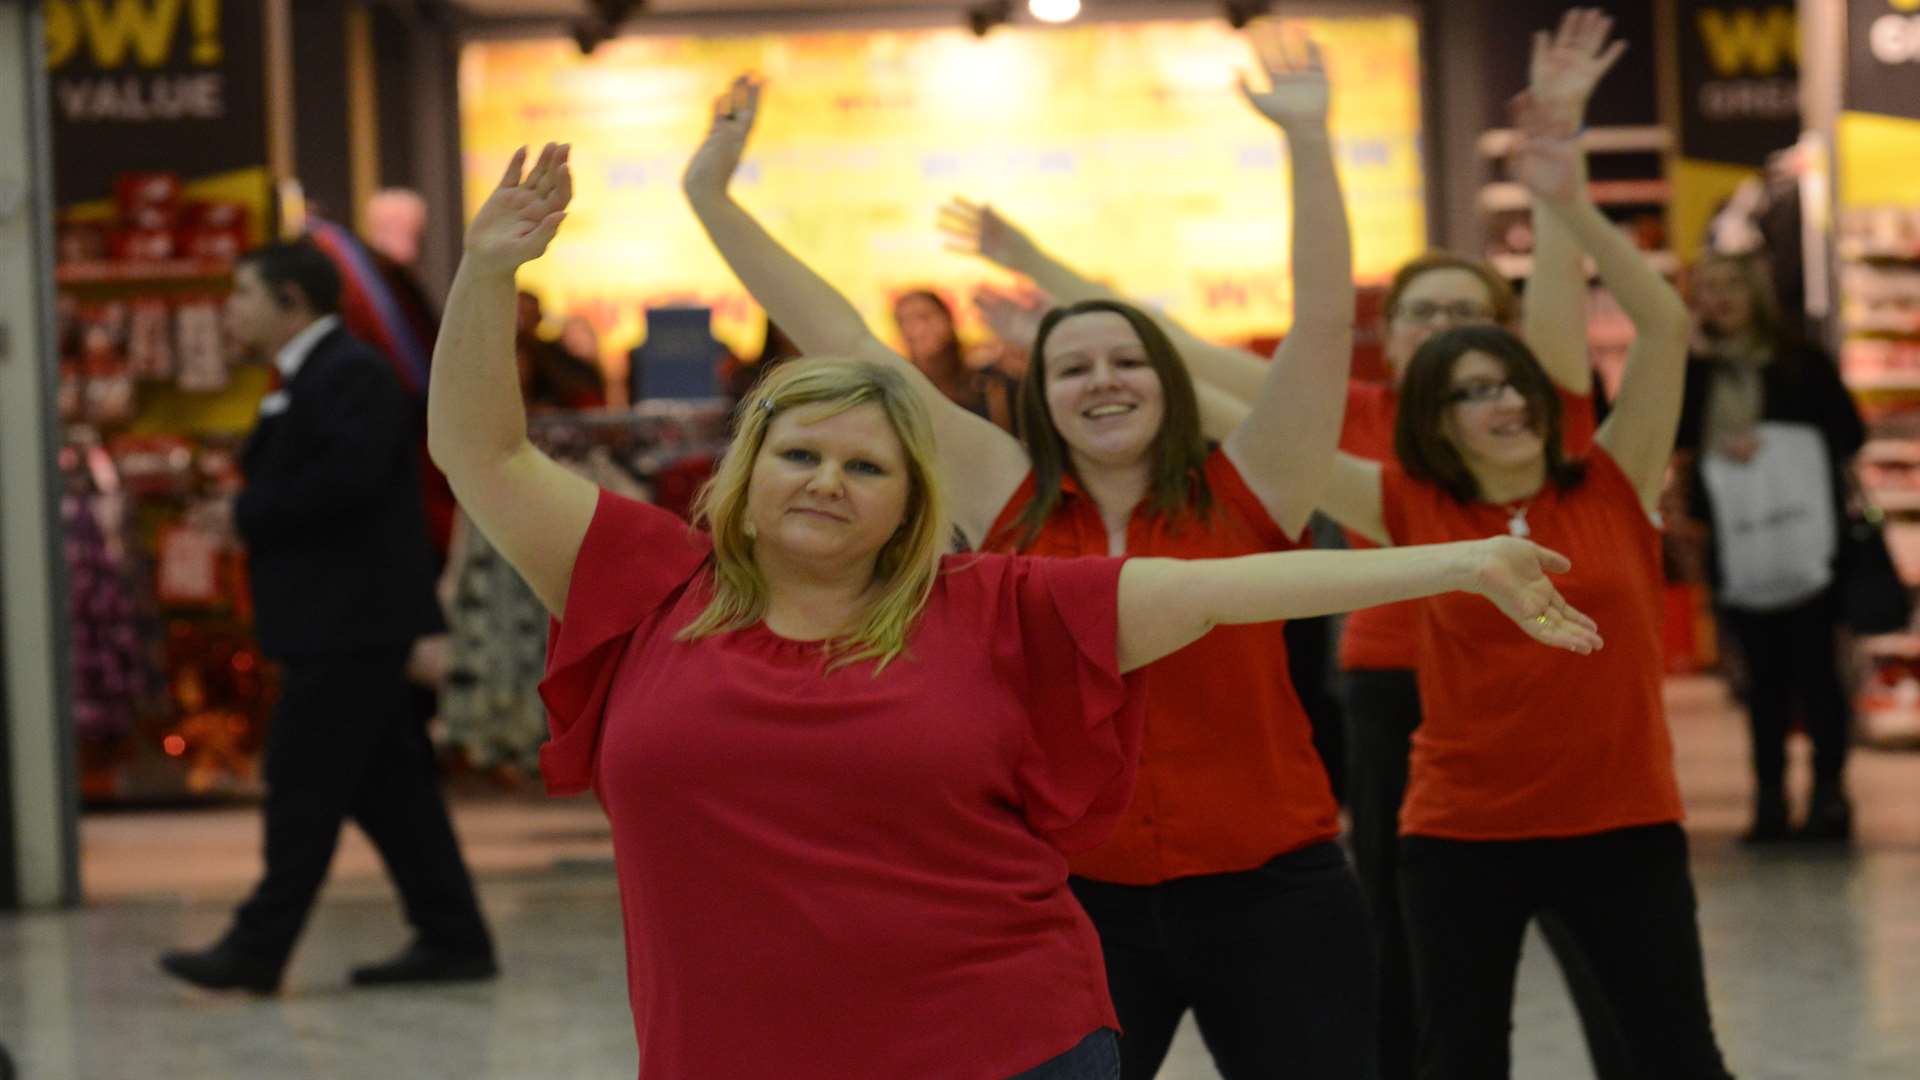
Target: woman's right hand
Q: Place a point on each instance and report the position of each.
(1512, 573)
(977, 229)
(520, 218)
(712, 167)
(1569, 63)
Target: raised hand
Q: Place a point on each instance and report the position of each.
(1513, 574)
(1570, 62)
(520, 218)
(1546, 157)
(977, 229)
(714, 163)
(1298, 92)
(1014, 318)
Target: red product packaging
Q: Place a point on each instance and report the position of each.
(132, 191)
(141, 245)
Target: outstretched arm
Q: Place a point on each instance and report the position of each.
(982, 463)
(1167, 604)
(1567, 65)
(535, 512)
(1285, 447)
(981, 230)
(1640, 431)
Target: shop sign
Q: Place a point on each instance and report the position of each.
(143, 85)
(1883, 57)
(1739, 79)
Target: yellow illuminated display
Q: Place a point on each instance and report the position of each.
(1123, 147)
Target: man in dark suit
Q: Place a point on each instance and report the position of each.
(342, 577)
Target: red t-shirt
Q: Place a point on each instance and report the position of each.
(1519, 740)
(846, 874)
(1382, 637)
(1229, 777)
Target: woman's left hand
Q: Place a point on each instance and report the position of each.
(1569, 63)
(1545, 158)
(1298, 94)
(1513, 574)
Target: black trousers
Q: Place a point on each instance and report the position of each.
(1624, 896)
(1273, 962)
(1793, 667)
(345, 743)
(1382, 711)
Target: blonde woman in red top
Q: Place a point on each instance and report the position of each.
(843, 770)
(1543, 787)
(1223, 889)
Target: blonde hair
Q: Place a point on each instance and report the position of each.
(906, 566)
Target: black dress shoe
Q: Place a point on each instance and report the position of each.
(425, 964)
(222, 967)
(1829, 821)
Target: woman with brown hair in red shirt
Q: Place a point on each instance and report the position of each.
(1223, 889)
(1542, 787)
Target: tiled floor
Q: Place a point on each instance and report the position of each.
(1814, 957)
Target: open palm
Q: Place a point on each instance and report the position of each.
(1513, 574)
(977, 229)
(1298, 92)
(520, 218)
(1570, 62)
(712, 166)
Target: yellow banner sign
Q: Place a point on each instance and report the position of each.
(1123, 147)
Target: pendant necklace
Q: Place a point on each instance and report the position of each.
(1517, 517)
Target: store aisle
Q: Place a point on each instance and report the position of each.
(1814, 957)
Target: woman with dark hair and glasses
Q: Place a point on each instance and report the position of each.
(1223, 889)
(1543, 787)
(1380, 691)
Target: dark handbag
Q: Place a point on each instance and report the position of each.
(1873, 598)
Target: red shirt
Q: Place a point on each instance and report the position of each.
(1519, 740)
(846, 874)
(1229, 777)
(1382, 637)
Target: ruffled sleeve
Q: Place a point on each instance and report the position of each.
(634, 559)
(1055, 634)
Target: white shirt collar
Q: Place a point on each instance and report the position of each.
(294, 353)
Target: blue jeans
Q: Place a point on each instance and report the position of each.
(1096, 1057)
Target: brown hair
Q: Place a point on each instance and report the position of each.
(1506, 306)
(1419, 437)
(1179, 450)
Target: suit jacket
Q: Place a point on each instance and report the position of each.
(338, 554)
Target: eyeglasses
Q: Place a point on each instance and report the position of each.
(1460, 311)
(1480, 392)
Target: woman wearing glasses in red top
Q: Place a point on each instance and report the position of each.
(1542, 787)
(1222, 890)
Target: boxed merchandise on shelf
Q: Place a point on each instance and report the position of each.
(154, 409)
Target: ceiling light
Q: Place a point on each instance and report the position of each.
(1053, 11)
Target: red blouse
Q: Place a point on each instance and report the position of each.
(1229, 777)
(848, 873)
(1517, 740)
